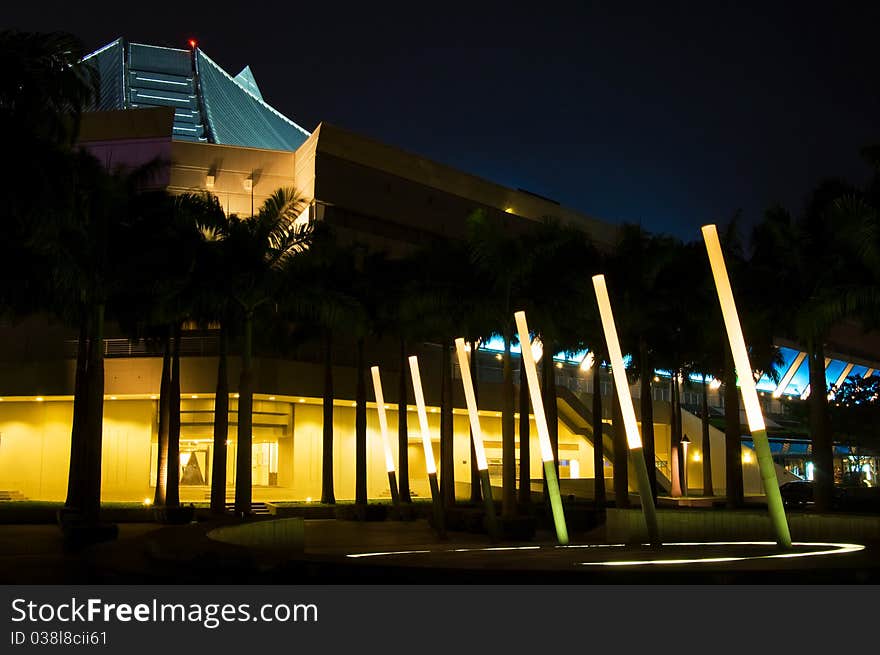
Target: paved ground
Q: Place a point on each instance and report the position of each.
(149, 553)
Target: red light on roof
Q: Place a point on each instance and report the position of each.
(193, 43)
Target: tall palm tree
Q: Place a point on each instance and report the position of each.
(500, 260)
(804, 255)
(319, 298)
(263, 245)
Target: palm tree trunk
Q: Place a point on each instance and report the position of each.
(646, 378)
(172, 498)
(447, 458)
(360, 428)
(674, 437)
(91, 504)
(508, 443)
(327, 495)
(732, 436)
(476, 491)
(598, 440)
(707, 443)
(621, 473)
(525, 469)
(164, 418)
(403, 428)
(244, 447)
(80, 413)
(820, 432)
(221, 427)
(551, 410)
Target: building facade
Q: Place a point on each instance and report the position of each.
(218, 134)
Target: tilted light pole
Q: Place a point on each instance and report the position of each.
(528, 360)
(383, 428)
(633, 438)
(430, 466)
(754, 416)
(480, 453)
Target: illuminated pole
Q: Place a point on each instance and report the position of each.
(528, 361)
(633, 439)
(685, 442)
(754, 416)
(383, 428)
(430, 466)
(479, 452)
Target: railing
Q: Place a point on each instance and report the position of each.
(189, 346)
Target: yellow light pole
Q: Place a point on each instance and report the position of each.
(754, 416)
(383, 429)
(430, 466)
(633, 439)
(528, 361)
(479, 451)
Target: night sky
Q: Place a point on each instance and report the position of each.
(670, 114)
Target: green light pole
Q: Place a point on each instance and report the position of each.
(754, 415)
(528, 361)
(633, 438)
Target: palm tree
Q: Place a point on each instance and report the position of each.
(805, 257)
(44, 86)
(319, 299)
(499, 259)
(263, 245)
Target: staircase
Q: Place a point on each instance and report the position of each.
(579, 419)
(258, 508)
(11, 495)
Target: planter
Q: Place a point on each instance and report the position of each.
(520, 528)
(362, 512)
(175, 515)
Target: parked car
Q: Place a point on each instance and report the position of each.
(799, 493)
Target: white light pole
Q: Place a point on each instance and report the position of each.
(430, 465)
(633, 439)
(383, 429)
(479, 451)
(528, 361)
(754, 416)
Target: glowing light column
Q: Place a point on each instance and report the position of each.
(430, 466)
(383, 428)
(633, 438)
(528, 360)
(754, 415)
(480, 453)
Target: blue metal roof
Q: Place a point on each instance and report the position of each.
(209, 104)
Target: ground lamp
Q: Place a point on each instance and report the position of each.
(482, 465)
(430, 466)
(754, 416)
(685, 442)
(383, 428)
(633, 439)
(528, 360)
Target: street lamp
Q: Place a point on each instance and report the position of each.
(685, 442)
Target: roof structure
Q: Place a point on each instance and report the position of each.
(210, 105)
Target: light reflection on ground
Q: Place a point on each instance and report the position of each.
(623, 555)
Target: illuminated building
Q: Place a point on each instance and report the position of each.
(220, 134)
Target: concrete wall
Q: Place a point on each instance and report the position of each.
(628, 526)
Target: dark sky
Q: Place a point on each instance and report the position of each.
(666, 113)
